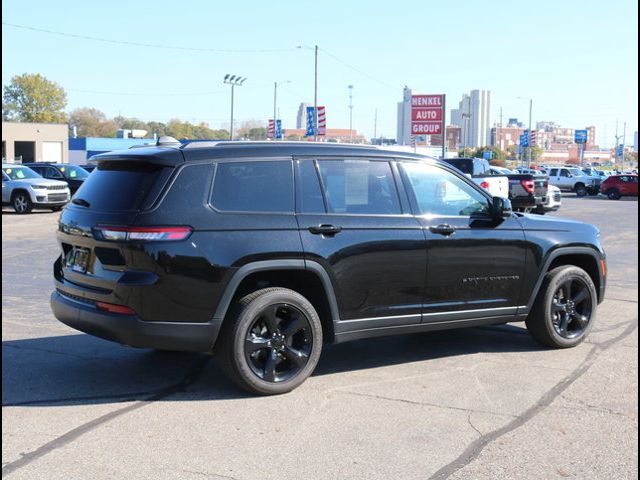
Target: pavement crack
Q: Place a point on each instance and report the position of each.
(473, 426)
(121, 397)
(476, 447)
(75, 355)
(190, 377)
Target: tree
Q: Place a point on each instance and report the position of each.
(91, 122)
(496, 153)
(258, 133)
(498, 162)
(33, 98)
(466, 152)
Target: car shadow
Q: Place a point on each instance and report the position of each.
(80, 369)
(32, 212)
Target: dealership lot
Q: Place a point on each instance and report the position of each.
(473, 403)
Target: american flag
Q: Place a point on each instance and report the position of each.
(322, 121)
(413, 140)
(271, 130)
(532, 138)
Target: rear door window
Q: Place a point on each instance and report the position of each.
(359, 187)
(121, 186)
(258, 186)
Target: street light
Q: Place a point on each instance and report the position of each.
(529, 135)
(315, 91)
(234, 81)
(275, 96)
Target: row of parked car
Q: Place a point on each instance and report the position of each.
(40, 185)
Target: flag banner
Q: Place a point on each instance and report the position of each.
(322, 121)
(278, 131)
(311, 127)
(271, 129)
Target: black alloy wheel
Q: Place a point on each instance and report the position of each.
(278, 344)
(613, 194)
(571, 308)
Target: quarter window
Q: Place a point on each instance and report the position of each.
(253, 187)
(359, 187)
(439, 192)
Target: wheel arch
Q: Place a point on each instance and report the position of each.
(308, 278)
(584, 257)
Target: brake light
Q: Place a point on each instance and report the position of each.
(114, 308)
(529, 185)
(484, 184)
(143, 234)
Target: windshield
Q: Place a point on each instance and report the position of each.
(74, 172)
(576, 171)
(20, 173)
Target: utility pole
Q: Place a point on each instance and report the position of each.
(351, 113)
(615, 151)
(375, 124)
(275, 96)
(530, 146)
(624, 134)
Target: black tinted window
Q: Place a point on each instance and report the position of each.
(309, 194)
(359, 186)
(118, 186)
(465, 165)
(253, 187)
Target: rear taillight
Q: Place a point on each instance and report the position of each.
(484, 184)
(141, 234)
(529, 185)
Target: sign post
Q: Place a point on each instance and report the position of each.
(427, 116)
(581, 138)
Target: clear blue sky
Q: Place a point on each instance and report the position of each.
(578, 60)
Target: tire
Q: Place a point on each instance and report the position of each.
(613, 194)
(258, 353)
(580, 189)
(539, 210)
(56, 209)
(556, 305)
(21, 203)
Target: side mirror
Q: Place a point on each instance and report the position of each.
(501, 208)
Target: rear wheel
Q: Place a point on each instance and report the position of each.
(580, 189)
(613, 194)
(272, 341)
(21, 203)
(565, 309)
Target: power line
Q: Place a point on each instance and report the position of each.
(141, 44)
(146, 93)
(356, 69)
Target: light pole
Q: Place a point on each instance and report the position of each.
(275, 97)
(529, 135)
(315, 90)
(351, 113)
(234, 81)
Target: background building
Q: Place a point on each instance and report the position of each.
(341, 135)
(35, 142)
(80, 149)
(403, 135)
(301, 118)
(473, 116)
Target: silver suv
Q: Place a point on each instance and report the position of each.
(24, 190)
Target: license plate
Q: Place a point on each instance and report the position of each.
(78, 259)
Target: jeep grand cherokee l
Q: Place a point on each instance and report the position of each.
(262, 252)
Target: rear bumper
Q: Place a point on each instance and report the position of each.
(130, 330)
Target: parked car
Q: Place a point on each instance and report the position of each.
(73, 175)
(527, 192)
(575, 180)
(553, 201)
(24, 190)
(617, 186)
(264, 251)
(479, 170)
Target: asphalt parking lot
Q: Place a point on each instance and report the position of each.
(478, 403)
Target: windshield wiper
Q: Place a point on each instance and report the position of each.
(81, 201)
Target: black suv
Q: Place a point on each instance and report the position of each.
(64, 172)
(261, 252)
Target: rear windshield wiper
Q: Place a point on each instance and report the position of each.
(81, 201)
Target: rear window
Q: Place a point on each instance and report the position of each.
(462, 164)
(120, 186)
(264, 186)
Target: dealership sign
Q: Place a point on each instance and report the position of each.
(427, 114)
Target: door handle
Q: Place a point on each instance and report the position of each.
(443, 229)
(325, 229)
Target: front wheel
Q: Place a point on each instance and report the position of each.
(272, 341)
(580, 190)
(565, 309)
(21, 203)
